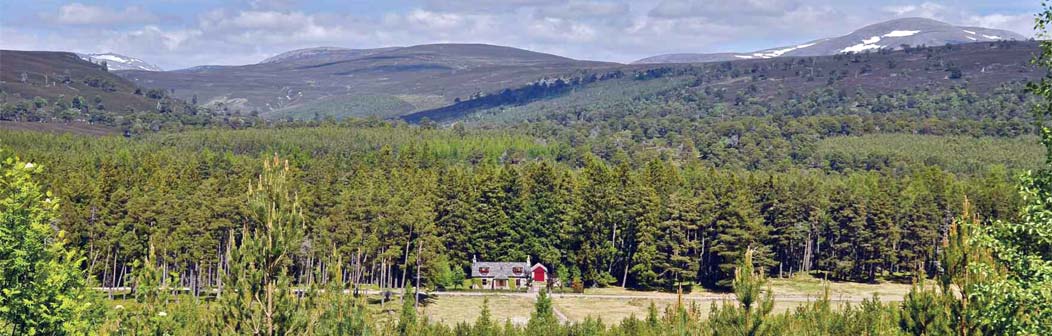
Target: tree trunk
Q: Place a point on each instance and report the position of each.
(416, 292)
(405, 263)
(113, 276)
(624, 277)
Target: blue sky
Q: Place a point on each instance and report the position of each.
(182, 33)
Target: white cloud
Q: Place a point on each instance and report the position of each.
(927, 10)
(487, 6)
(271, 4)
(585, 9)
(1022, 24)
(723, 10)
(433, 20)
(81, 14)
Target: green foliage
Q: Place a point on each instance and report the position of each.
(42, 284)
(924, 312)
(153, 293)
(442, 276)
(1014, 296)
(338, 313)
(577, 285)
(542, 320)
(259, 297)
(633, 224)
(958, 154)
(751, 315)
(484, 323)
(407, 320)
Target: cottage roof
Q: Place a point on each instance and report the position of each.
(500, 270)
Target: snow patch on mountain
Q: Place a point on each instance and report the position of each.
(119, 62)
(883, 35)
(774, 53)
(114, 58)
(870, 43)
(861, 47)
(901, 33)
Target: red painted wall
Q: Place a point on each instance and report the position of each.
(538, 274)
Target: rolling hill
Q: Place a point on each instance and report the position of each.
(980, 69)
(339, 82)
(885, 35)
(50, 75)
(43, 86)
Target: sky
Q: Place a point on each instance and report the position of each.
(176, 34)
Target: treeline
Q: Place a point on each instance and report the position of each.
(45, 292)
(168, 114)
(371, 194)
(761, 132)
(541, 89)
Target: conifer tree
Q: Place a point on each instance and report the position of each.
(259, 295)
(407, 321)
(542, 320)
(484, 323)
(750, 316)
(152, 294)
(341, 313)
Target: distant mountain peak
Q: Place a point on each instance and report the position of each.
(119, 62)
(892, 34)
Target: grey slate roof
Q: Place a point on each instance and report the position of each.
(500, 270)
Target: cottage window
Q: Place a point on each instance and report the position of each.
(517, 270)
(483, 270)
(485, 283)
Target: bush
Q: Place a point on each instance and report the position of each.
(577, 285)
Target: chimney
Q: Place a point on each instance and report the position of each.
(473, 259)
(528, 261)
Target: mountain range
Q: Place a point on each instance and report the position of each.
(892, 34)
(443, 81)
(345, 82)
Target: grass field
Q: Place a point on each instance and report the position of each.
(454, 309)
(612, 311)
(611, 304)
(614, 304)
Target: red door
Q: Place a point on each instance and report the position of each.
(538, 274)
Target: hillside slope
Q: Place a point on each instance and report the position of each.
(384, 82)
(977, 68)
(59, 86)
(50, 75)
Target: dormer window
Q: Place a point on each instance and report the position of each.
(483, 270)
(517, 270)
